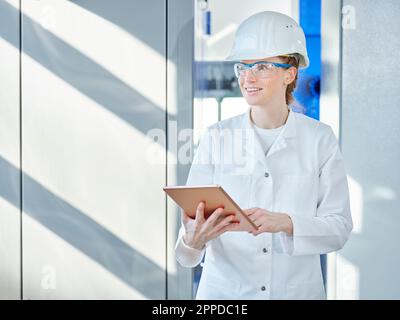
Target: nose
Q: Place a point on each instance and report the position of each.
(249, 76)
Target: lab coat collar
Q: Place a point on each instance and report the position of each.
(255, 148)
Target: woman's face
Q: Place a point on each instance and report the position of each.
(260, 91)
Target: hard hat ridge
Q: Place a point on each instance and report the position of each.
(269, 34)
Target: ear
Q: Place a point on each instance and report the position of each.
(290, 75)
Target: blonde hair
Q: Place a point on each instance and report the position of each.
(292, 59)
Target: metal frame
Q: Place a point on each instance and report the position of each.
(180, 92)
(330, 99)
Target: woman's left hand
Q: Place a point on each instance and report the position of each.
(267, 221)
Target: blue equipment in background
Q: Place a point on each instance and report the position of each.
(307, 91)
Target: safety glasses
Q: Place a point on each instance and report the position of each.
(260, 69)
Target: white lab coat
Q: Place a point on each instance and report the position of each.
(306, 179)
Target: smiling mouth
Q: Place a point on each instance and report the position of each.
(252, 90)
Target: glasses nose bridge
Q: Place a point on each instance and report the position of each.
(251, 71)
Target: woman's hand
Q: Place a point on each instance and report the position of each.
(200, 230)
(267, 221)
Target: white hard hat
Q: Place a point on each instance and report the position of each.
(268, 34)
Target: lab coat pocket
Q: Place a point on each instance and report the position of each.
(297, 193)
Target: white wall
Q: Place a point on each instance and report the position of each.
(94, 83)
(93, 86)
(359, 80)
(96, 79)
(371, 143)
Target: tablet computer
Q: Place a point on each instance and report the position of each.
(214, 196)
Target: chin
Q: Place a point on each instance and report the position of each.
(255, 102)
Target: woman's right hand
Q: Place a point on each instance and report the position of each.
(200, 230)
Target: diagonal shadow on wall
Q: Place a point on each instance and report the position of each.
(82, 232)
(91, 79)
(130, 17)
(85, 75)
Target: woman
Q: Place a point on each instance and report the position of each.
(291, 179)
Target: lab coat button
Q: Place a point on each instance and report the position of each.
(263, 288)
(266, 174)
(265, 250)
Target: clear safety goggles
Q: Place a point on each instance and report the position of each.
(260, 69)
